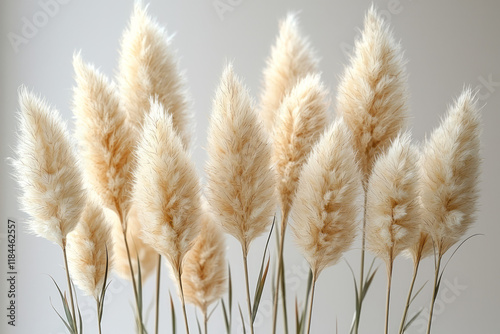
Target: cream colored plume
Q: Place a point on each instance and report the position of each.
(167, 190)
(302, 119)
(325, 209)
(204, 270)
(393, 211)
(450, 172)
(148, 67)
(372, 93)
(89, 247)
(241, 183)
(106, 138)
(291, 59)
(47, 171)
(147, 256)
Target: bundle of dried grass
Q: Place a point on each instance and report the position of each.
(325, 209)
(204, 269)
(105, 137)
(241, 182)
(89, 250)
(302, 119)
(47, 171)
(372, 92)
(291, 59)
(149, 67)
(393, 210)
(167, 190)
(138, 249)
(450, 172)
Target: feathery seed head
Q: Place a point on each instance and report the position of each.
(47, 171)
(450, 172)
(291, 59)
(167, 190)
(393, 211)
(204, 269)
(241, 183)
(148, 67)
(105, 137)
(89, 247)
(373, 92)
(324, 211)
(302, 119)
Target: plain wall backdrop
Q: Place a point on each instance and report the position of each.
(449, 44)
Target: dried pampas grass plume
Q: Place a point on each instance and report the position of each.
(148, 67)
(47, 171)
(373, 93)
(241, 183)
(204, 269)
(450, 173)
(291, 59)
(393, 211)
(324, 212)
(138, 249)
(104, 135)
(167, 190)
(302, 119)
(89, 250)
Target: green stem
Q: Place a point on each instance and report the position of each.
(183, 302)
(69, 285)
(157, 316)
(280, 269)
(309, 318)
(408, 298)
(388, 299)
(98, 305)
(434, 293)
(249, 304)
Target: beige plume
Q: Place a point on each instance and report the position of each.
(167, 190)
(372, 93)
(147, 256)
(302, 119)
(291, 59)
(393, 211)
(325, 209)
(148, 67)
(204, 269)
(47, 171)
(89, 247)
(105, 137)
(241, 183)
(450, 172)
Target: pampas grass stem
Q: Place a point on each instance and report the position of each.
(183, 302)
(309, 317)
(389, 266)
(249, 303)
(409, 297)
(434, 291)
(158, 275)
(70, 287)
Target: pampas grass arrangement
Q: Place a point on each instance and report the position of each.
(135, 196)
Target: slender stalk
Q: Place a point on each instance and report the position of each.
(249, 304)
(69, 284)
(388, 299)
(183, 302)
(205, 322)
(98, 305)
(139, 311)
(362, 267)
(410, 292)
(157, 315)
(434, 292)
(280, 269)
(311, 304)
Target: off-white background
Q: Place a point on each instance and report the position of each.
(449, 44)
